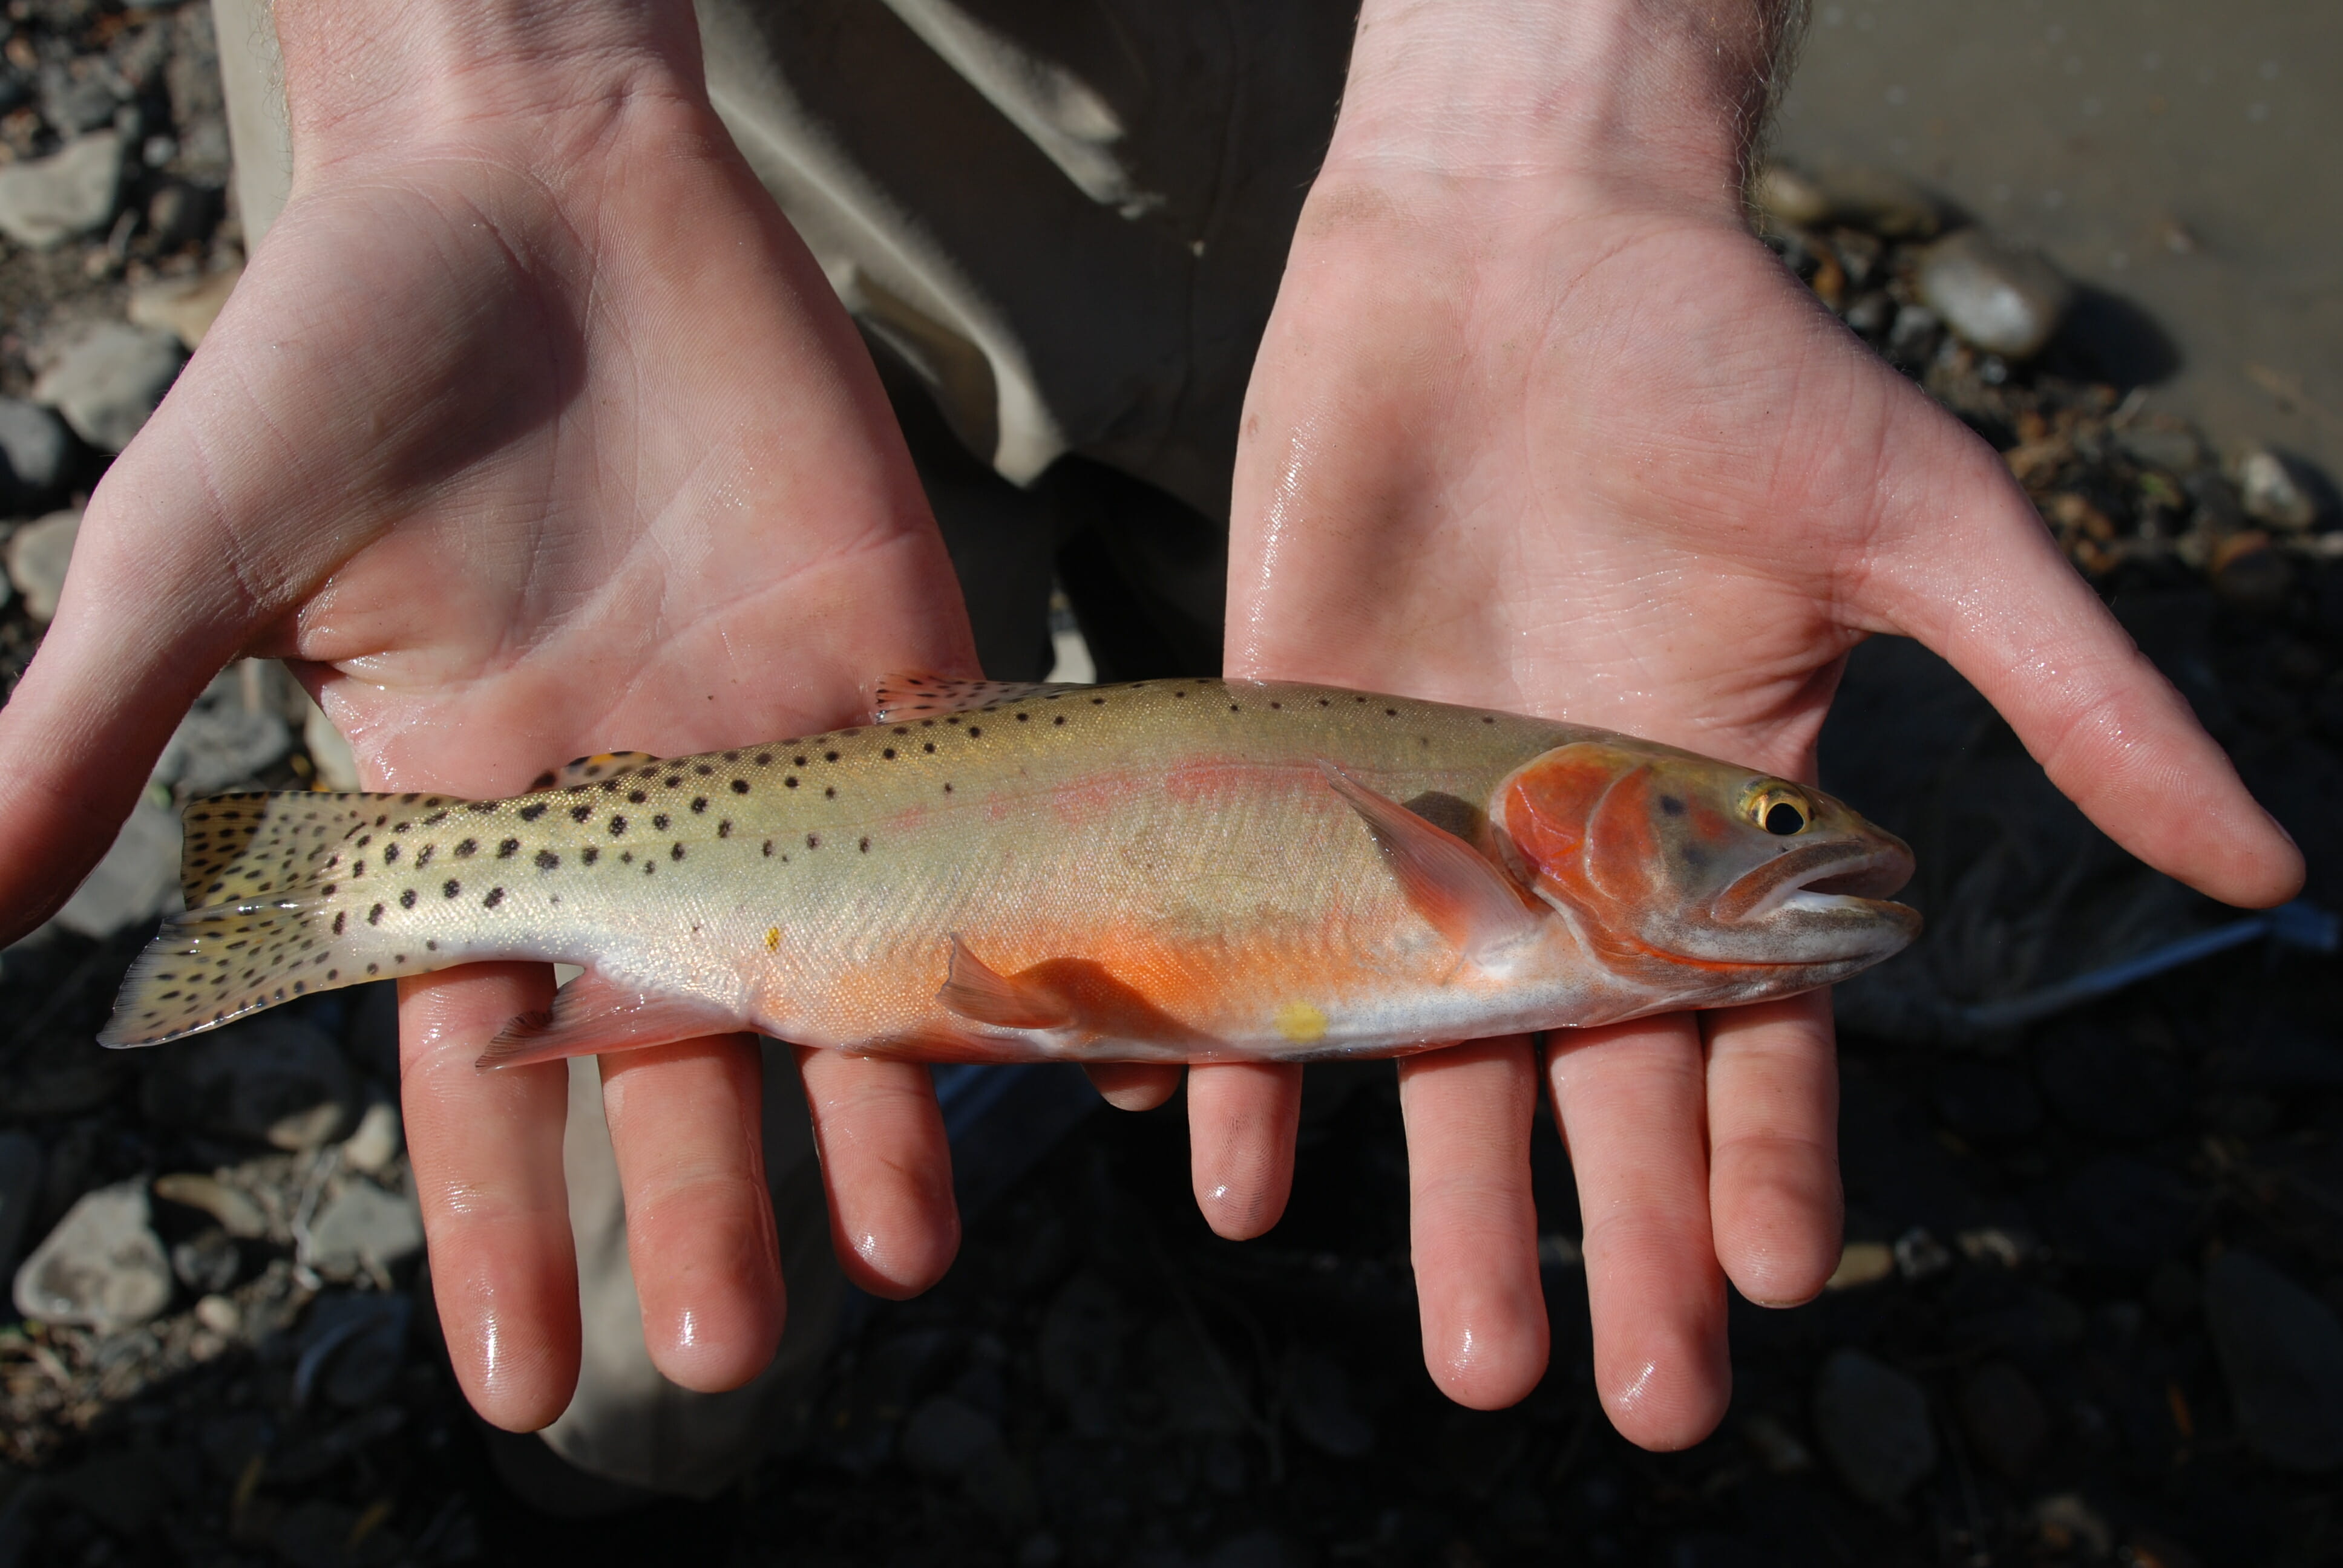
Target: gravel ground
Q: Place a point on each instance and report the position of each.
(2088, 1310)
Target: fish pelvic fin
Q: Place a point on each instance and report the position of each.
(983, 995)
(895, 698)
(592, 1015)
(1067, 993)
(1455, 887)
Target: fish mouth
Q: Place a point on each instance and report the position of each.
(1821, 878)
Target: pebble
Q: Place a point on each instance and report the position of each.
(2004, 1418)
(21, 1166)
(233, 731)
(2281, 1352)
(38, 554)
(206, 1262)
(2003, 300)
(1873, 1422)
(2271, 493)
(377, 1142)
(237, 1213)
(274, 1078)
(138, 880)
(75, 103)
(103, 1266)
(2167, 444)
(43, 202)
(1783, 192)
(1861, 1263)
(220, 1314)
(33, 442)
(947, 1438)
(1912, 336)
(184, 307)
(110, 380)
(364, 1230)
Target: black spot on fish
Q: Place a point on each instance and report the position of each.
(792, 781)
(797, 762)
(406, 899)
(496, 896)
(636, 796)
(865, 846)
(1060, 720)
(973, 732)
(450, 888)
(704, 770)
(617, 827)
(889, 753)
(531, 812)
(830, 757)
(1672, 805)
(769, 849)
(830, 793)
(698, 804)
(390, 854)
(373, 916)
(676, 853)
(658, 823)
(764, 760)
(506, 849)
(339, 915)
(590, 853)
(579, 813)
(813, 840)
(724, 830)
(548, 860)
(465, 849)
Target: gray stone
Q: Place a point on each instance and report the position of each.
(110, 380)
(206, 1262)
(74, 103)
(43, 202)
(377, 1142)
(2003, 300)
(138, 880)
(273, 1078)
(1912, 336)
(2004, 1418)
(364, 1230)
(2166, 444)
(236, 1210)
(184, 307)
(2271, 492)
(20, 1187)
(2281, 1352)
(38, 555)
(949, 1439)
(329, 752)
(103, 1266)
(33, 440)
(1873, 1422)
(235, 729)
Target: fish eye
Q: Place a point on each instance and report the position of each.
(1778, 808)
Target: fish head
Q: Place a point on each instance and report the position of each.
(1671, 861)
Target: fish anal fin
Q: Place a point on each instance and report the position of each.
(590, 769)
(1457, 888)
(592, 1015)
(979, 993)
(895, 698)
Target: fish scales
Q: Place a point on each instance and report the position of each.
(1182, 869)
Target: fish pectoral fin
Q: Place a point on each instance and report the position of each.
(1450, 884)
(895, 698)
(587, 770)
(982, 994)
(592, 1015)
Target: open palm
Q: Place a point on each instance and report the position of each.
(1609, 462)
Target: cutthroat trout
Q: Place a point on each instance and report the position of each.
(1172, 870)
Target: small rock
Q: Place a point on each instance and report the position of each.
(364, 1230)
(75, 103)
(38, 554)
(2281, 1352)
(235, 729)
(235, 1210)
(1783, 192)
(21, 1166)
(2271, 493)
(377, 1142)
(1861, 1263)
(335, 762)
(1919, 1255)
(1912, 336)
(109, 382)
(2004, 1418)
(45, 202)
(207, 1262)
(2066, 1522)
(2166, 444)
(33, 442)
(2003, 300)
(1318, 1401)
(184, 307)
(274, 1078)
(1777, 1448)
(220, 1314)
(1873, 1424)
(138, 880)
(949, 1439)
(1872, 200)
(179, 213)
(103, 1266)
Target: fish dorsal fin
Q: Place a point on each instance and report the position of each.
(243, 846)
(1450, 883)
(978, 992)
(592, 1015)
(586, 770)
(896, 698)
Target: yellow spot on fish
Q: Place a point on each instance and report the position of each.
(1301, 1023)
(773, 939)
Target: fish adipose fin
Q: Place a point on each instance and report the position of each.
(1450, 883)
(896, 698)
(977, 992)
(592, 1015)
(587, 770)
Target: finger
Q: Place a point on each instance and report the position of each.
(1472, 1222)
(1971, 571)
(1772, 1147)
(888, 1167)
(685, 1124)
(1242, 1118)
(1629, 1098)
(1133, 1085)
(486, 1154)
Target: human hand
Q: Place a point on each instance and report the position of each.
(531, 431)
(1538, 425)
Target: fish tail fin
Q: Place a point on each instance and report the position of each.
(264, 926)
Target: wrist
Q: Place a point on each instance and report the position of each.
(358, 78)
(1641, 99)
